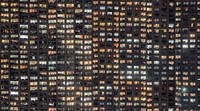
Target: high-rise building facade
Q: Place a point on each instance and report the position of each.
(100, 55)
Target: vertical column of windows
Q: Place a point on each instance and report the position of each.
(40, 55)
(50, 44)
(164, 44)
(143, 54)
(95, 61)
(79, 48)
(178, 56)
(149, 46)
(5, 57)
(86, 62)
(122, 54)
(23, 55)
(101, 51)
(32, 52)
(60, 50)
(116, 61)
(69, 46)
(129, 57)
(193, 58)
(156, 53)
(198, 51)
